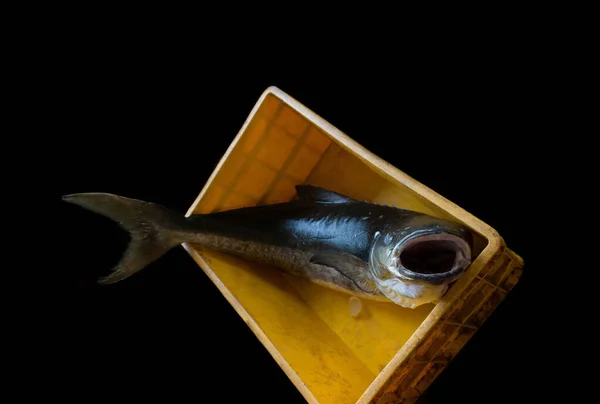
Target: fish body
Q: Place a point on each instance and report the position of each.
(364, 249)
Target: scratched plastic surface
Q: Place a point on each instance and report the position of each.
(332, 356)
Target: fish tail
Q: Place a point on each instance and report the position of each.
(152, 227)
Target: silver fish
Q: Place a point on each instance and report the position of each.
(364, 249)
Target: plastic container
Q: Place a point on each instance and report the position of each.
(385, 354)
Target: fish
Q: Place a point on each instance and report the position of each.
(364, 249)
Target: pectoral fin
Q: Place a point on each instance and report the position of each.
(348, 265)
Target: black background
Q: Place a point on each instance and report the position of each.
(152, 125)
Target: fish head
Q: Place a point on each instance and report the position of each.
(420, 257)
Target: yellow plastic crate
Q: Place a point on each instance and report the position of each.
(388, 354)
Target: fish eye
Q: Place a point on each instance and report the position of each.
(388, 239)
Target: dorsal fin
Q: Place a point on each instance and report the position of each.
(320, 195)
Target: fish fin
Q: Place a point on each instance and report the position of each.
(144, 221)
(320, 195)
(348, 265)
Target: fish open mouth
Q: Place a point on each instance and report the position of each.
(434, 258)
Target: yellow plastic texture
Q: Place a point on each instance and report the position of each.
(386, 354)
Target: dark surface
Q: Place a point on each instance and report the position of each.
(155, 131)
